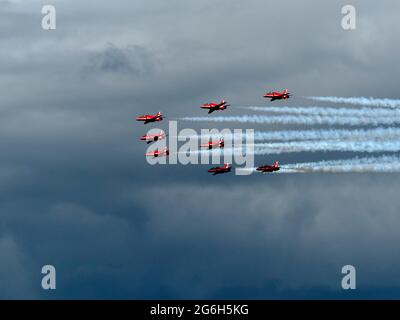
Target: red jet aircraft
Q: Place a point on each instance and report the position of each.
(267, 168)
(153, 137)
(215, 106)
(213, 144)
(150, 118)
(277, 95)
(156, 153)
(219, 170)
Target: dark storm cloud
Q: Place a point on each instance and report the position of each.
(77, 193)
(134, 59)
(15, 262)
(275, 234)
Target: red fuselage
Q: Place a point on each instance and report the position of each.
(157, 153)
(150, 118)
(218, 170)
(268, 168)
(213, 144)
(152, 137)
(215, 106)
(278, 95)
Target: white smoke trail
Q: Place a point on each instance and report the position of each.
(300, 120)
(328, 111)
(362, 101)
(322, 134)
(330, 134)
(361, 165)
(369, 146)
(334, 145)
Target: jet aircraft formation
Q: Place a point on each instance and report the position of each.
(211, 107)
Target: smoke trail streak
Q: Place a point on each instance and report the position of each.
(360, 165)
(315, 146)
(296, 135)
(362, 101)
(330, 134)
(225, 152)
(328, 111)
(369, 146)
(300, 120)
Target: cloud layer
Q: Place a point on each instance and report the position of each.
(76, 190)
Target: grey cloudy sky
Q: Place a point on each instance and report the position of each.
(76, 191)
